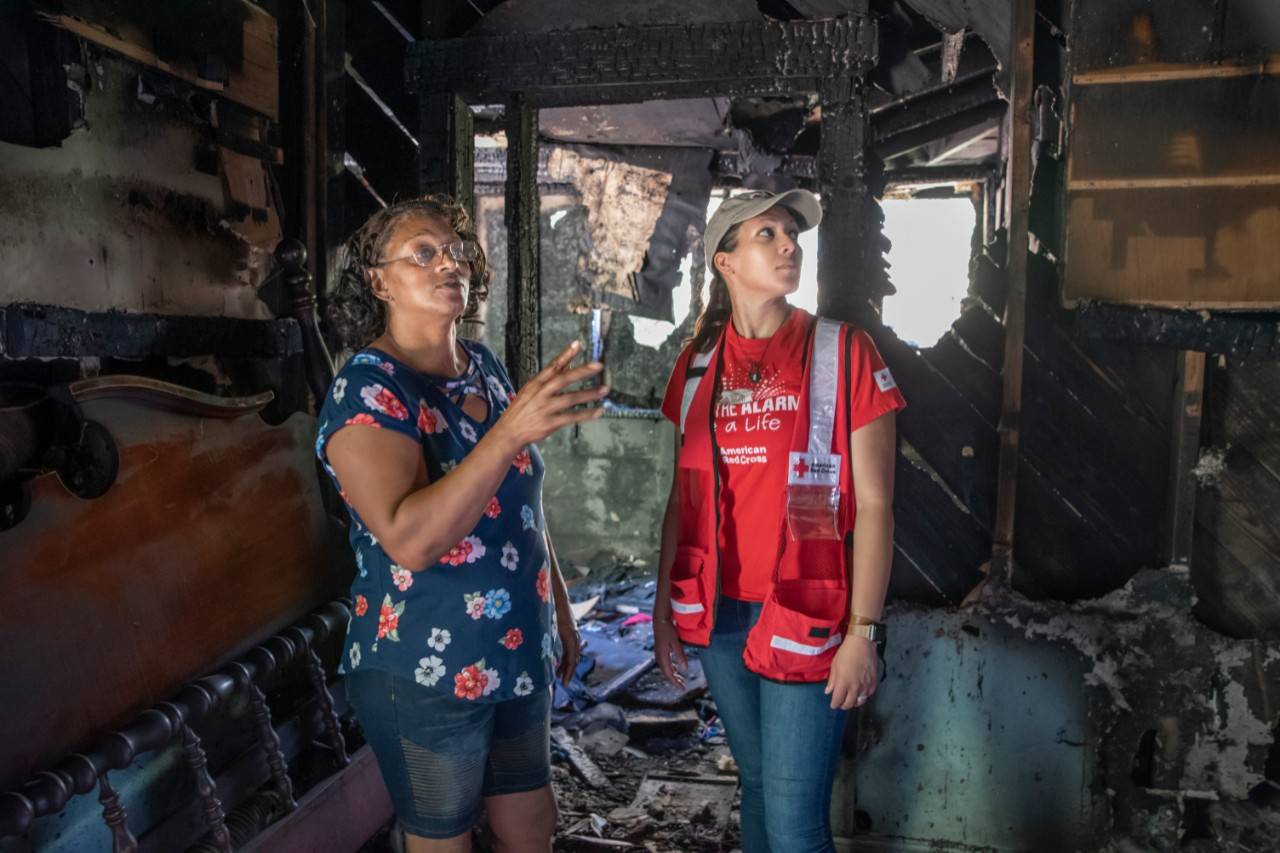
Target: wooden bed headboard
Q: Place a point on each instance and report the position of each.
(212, 537)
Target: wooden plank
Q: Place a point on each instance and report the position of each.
(579, 760)
(1109, 476)
(1019, 179)
(522, 216)
(1173, 195)
(1237, 538)
(1060, 554)
(1168, 72)
(597, 65)
(1186, 330)
(1135, 33)
(941, 423)
(339, 815)
(165, 395)
(1197, 133)
(1171, 182)
(1206, 247)
(252, 213)
(1245, 402)
(212, 537)
(1234, 567)
(50, 331)
(1095, 468)
(938, 546)
(965, 371)
(255, 84)
(1188, 399)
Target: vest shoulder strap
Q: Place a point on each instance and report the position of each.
(696, 369)
(824, 376)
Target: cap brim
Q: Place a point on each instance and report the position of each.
(802, 203)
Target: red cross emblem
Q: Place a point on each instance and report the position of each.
(801, 468)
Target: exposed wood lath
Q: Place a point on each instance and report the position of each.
(1237, 532)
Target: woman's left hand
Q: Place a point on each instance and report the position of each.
(571, 644)
(854, 674)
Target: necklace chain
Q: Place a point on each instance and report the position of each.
(754, 372)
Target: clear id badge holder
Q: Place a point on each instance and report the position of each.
(813, 496)
(813, 476)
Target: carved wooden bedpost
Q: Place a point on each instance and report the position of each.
(292, 257)
(303, 639)
(262, 664)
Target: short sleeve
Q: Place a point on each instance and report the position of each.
(366, 391)
(872, 389)
(674, 395)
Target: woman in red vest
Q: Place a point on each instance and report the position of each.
(778, 535)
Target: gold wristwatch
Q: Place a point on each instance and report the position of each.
(873, 631)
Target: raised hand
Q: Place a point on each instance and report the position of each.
(543, 405)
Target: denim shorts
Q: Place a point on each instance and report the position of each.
(441, 756)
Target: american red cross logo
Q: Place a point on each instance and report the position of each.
(801, 468)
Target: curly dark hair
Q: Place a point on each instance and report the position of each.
(355, 315)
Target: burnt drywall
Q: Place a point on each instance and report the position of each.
(118, 217)
(607, 481)
(1119, 723)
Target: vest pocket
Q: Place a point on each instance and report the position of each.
(799, 631)
(690, 596)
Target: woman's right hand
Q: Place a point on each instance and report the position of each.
(668, 650)
(542, 406)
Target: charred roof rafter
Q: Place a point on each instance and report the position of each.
(645, 63)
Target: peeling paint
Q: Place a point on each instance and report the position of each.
(1206, 702)
(1212, 466)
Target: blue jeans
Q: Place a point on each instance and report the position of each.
(784, 737)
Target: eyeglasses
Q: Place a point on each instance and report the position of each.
(459, 250)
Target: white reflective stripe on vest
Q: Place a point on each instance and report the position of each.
(687, 608)
(824, 377)
(788, 645)
(701, 360)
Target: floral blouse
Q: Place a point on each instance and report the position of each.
(479, 623)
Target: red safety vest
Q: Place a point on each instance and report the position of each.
(806, 612)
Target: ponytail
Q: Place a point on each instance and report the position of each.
(719, 308)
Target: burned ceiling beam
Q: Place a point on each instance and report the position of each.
(491, 173)
(1249, 336)
(937, 175)
(644, 63)
(907, 141)
(803, 168)
(47, 331)
(974, 62)
(990, 19)
(937, 106)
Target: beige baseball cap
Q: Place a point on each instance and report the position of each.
(803, 205)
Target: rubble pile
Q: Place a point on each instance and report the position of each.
(638, 763)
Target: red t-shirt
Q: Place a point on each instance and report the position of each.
(755, 414)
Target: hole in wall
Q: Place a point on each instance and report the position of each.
(1144, 760)
(928, 264)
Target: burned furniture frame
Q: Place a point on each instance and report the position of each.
(235, 685)
(49, 791)
(523, 72)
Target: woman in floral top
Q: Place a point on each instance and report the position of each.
(460, 610)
